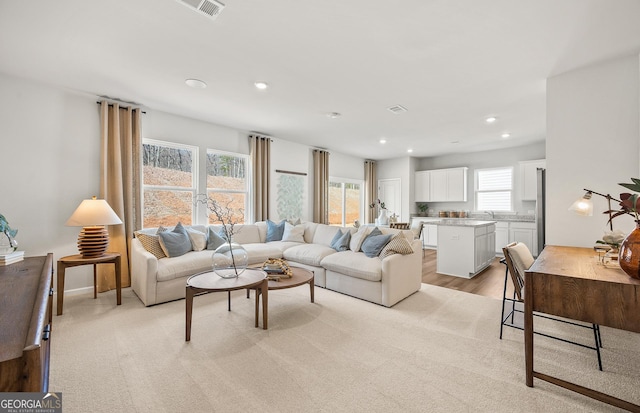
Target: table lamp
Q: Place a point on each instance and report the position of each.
(584, 205)
(92, 215)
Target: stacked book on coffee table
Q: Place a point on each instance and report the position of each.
(12, 257)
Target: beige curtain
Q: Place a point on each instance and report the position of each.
(320, 186)
(260, 149)
(370, 190)
(120, 172)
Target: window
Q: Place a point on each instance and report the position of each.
(169, 176)
(345, 201)
(494, 189)
(228, 182)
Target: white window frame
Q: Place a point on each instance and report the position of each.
(343, 181)
(477, 191)
(194, 174)
(248, 212)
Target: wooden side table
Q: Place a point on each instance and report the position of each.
(77, 260)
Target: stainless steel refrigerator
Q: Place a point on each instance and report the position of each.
(540, 208)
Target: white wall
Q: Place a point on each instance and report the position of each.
(593, 142)
(50, 140)
(404, 168)
(50, 146)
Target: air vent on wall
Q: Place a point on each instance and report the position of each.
(208, 8)
(397, 109)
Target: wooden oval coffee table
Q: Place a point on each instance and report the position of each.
(299, 277)
(209, 282)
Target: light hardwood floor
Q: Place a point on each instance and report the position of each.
(488, 283)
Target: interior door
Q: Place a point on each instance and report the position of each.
(389, 192)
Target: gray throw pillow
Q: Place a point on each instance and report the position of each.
(175, 243)
(341, 240)
(214, 239)
(372, 245)
(275, 231)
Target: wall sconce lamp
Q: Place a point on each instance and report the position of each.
(584, 205)
(92, 215)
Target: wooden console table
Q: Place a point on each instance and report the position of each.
(568, 282)
(25, 324)
(76, 260)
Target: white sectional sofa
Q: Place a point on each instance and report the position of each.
(383, 281)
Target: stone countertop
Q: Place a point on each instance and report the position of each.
(464, 222)
(486, 217)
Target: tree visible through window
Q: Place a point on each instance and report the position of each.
(169, 176)
(228, 183)
(494, 189)
(345, 201)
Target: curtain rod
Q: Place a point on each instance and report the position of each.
(111, 104)
(291, 172)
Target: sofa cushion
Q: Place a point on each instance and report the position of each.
(151, 241)
(185, 265)
(214, 239)
(373, 244)
(324, 234)
(198, 239)
(341, 240)
(275, 231)
(354, 264)
(358, 237)
(175, 243)
(294, 233)
(397, 245)
(310, 254)
(260, 252)
(246, 234)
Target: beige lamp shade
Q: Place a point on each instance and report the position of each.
(93, 214)
(583, 206)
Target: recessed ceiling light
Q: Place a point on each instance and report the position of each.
(196, 83)
(261, 85)
(383, 141)
(334, 115)
(491, 119)
(409, 150)
(505, 135)
(455, 142)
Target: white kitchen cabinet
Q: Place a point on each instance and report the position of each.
(526, 233)
(485, 242)
(528, 178)
(441, 185)
(430, 232)
(465, 250)
(422, 187)
(502, 236)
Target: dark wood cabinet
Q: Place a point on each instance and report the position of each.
(26, 290)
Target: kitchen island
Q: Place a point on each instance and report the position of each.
(465, 247)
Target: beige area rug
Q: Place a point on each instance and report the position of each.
(436, 351)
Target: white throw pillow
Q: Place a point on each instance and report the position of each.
(198, 239)
(358, 238)
(293, 233)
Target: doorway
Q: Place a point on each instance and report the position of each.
(390, 192)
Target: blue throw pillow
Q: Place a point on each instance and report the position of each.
(175, 243)
(214, 239)
(275, 231)
(373, 233)
(372, 245)
(341, 240)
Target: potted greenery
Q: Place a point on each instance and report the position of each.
(10, 244)
(423, 208)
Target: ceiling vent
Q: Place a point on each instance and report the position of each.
(397, 109)
(208, 8)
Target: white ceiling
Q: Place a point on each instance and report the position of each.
(451, 63)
